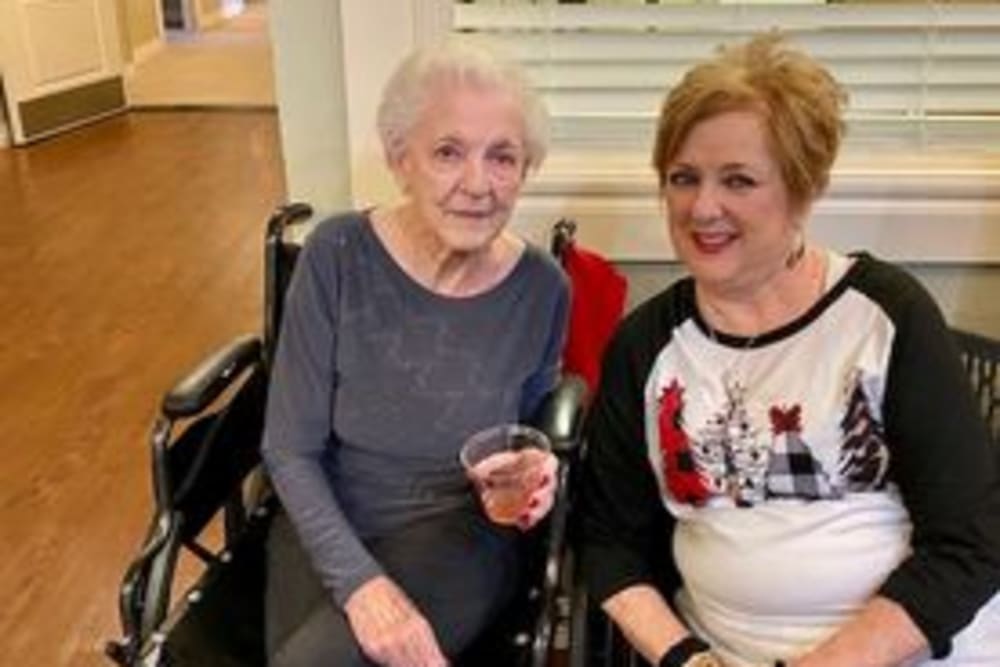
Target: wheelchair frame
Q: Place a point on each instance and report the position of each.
(213, 466)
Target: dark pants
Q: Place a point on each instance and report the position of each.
(458, 569)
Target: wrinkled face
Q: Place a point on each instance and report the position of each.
(730, 216)
(463, 166)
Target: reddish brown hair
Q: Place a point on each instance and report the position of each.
(799, 102)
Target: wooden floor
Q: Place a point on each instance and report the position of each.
(127, 250)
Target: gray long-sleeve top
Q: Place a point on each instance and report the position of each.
(378, 380)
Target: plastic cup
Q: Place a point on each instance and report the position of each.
(505, 464)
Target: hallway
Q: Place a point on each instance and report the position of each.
(227, 65)
(130, 247)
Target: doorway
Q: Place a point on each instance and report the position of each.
(176, 15)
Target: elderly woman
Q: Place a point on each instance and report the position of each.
(785, 465)
(407, 329)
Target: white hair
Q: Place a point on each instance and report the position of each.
(459, 60)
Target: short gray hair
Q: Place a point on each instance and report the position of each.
(459, 60)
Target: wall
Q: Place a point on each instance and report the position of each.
(401, 25)
(209, 7)
(142, 21)
(330, 61)
(139, 28)
(941, 220)
(969, 296)
(210, 12)
(123, 37)
(925, 194)
(308, 57)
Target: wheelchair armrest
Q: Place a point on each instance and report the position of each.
(561, 417)
(561, 414)
(198, 388)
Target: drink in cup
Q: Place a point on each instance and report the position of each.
(506, 464)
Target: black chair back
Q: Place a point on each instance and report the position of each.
(981, 358)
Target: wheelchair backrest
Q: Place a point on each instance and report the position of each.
(284, 236)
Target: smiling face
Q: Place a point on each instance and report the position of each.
(731, 219)
(463, 166)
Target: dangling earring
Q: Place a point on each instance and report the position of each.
(797, 253)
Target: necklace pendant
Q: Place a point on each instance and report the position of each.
(733, 385)
(728, 379)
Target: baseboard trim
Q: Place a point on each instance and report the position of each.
(75, 125)
(182, 106)
(46, 115)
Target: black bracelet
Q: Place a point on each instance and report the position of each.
(681, 652)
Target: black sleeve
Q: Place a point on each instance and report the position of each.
(946, 471)
(622, 524)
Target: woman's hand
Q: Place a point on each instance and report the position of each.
(389, 628)
(543, 496)
(882, 635)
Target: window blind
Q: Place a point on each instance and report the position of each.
(918, 178)
(919, 74)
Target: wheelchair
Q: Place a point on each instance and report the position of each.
(211, 468)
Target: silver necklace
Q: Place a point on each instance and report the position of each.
(731, 380)
(729, 438)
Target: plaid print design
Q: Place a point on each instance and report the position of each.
(793, 472)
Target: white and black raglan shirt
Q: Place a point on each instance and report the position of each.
(788, 478)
